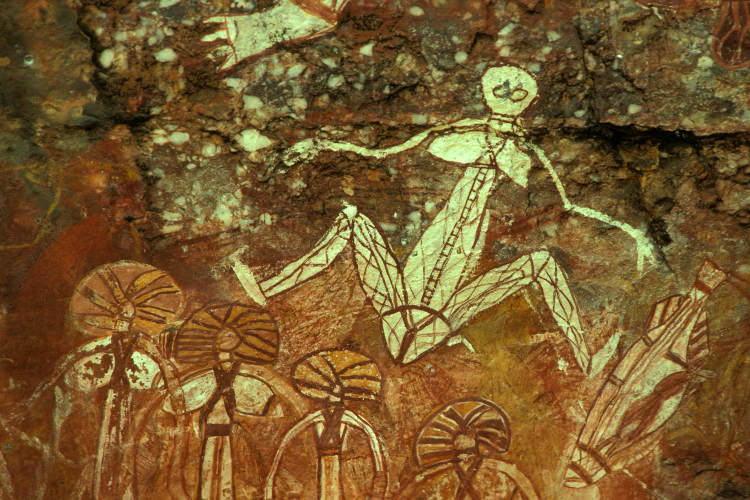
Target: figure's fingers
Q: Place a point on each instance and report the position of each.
(216, 35)
(230, 61)
(215, 19)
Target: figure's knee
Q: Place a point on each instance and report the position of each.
(350, 211)
(357, 219)
(541, 258)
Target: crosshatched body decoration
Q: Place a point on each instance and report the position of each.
(332, 378)
(423, 303)
(645, 388)
(458, 451)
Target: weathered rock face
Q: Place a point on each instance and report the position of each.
(436, 235)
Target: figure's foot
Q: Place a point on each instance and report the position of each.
(226, 32)
(458, 339)
(247, 278)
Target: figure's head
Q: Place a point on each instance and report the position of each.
(508, 90)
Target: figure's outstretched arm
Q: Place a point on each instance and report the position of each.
(308, 148)
(645, 247)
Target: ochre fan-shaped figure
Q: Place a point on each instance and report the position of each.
(125, 296)
(227, 332)
(226, 340)
(337, 375)
(331, 378)
(125, 304)
(470, 426)
(458, 452)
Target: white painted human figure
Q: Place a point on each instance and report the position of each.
(247, 35)
(425, 302)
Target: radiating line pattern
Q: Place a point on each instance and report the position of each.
(126, 296)
(337, 374)
(463, 427)
(247, 333)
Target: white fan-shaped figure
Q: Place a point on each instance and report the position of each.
(247, 35)
(424, 303)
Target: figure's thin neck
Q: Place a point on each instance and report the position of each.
(505, 123)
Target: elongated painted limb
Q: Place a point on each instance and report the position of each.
(216, 482)
(251, 34)
(83, 482)
(178, 489)
(376, 265)
(115, 423)
(309, 148)
(302, 269)
(310, 420)
(645, 248)
(380, 485)
(61, 369)
(499, 283)
(518, 477)
(34, 442)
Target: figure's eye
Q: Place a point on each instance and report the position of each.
(502, 91)
(519, 94)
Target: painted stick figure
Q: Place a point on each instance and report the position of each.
(247, 35)
(225, 342)
(331, 378)
(126, 304)
(425, 302)
(459, 448)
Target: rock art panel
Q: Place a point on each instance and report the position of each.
(322, 249)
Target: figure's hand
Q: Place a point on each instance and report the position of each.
(226, 31)
(302, 151)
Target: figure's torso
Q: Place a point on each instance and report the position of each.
(483, 147)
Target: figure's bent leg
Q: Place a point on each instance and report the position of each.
(452, 242)
(378, 271)
(304, 268)
(376, 265)
(501, 282)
